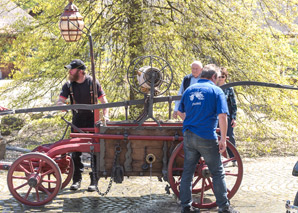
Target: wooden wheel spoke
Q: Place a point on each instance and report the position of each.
(24, 170)
(202, 191)
(210, 183)
(228, 190)
(49, 181)
(19, 177)
(27, 194)
(21, 186)
(31, 166)
(50, 171)
(227, 160)
(37, 195)
(231, 174)
(39, 166)
(233, 159)
(45, 190)
(196, 181)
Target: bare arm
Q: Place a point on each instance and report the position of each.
(181, 115)
(175, 113)
(2, 108)
(104, 100)
(61, 101)
(222, 119)
(233, 123)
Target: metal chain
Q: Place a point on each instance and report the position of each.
(94, 173)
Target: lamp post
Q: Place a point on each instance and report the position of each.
(71, 26)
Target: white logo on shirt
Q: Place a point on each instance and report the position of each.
(198, 95)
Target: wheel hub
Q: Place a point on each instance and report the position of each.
(206, 173)
(33, 180)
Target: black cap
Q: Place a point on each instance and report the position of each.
(77, 63)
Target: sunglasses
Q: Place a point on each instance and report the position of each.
(222, 76)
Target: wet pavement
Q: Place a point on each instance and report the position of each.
(266, 186)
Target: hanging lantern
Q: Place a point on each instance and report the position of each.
(71, 23)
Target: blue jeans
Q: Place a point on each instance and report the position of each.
(194, 147)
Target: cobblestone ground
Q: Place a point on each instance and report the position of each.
(267, 184)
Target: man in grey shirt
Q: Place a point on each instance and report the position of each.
(196, 70)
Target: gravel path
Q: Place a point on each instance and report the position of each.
(267, 184)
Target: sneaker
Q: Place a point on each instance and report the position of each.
(227, 209)
(75, 185)
(190, 209)
(91, 188)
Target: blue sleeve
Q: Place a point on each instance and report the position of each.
(222, 106)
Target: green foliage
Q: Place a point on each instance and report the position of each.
(42, 130)
(10, 123)
(232, 33)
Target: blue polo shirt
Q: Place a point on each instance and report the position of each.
(202, 102)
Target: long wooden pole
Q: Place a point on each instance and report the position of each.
(95, 95)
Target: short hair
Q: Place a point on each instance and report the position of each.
(209, 70)
(198, 63)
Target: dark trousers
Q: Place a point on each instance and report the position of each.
(231, 135)
(81, 120)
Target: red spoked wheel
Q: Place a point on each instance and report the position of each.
(66, 165)
(67, 172)
(27, 179)
(202, 185)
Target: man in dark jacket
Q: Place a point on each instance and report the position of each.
(196, 69)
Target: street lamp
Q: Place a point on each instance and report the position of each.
(71, 26)
(71, 23)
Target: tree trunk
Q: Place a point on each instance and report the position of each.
(135, 44)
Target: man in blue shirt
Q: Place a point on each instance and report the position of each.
(196, 69)
(204, 105)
